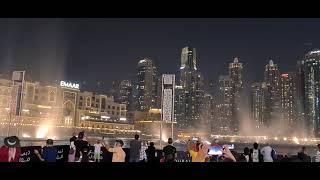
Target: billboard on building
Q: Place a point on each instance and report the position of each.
(167, 99)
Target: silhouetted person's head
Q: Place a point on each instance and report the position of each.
(170, 141)
(119, 143)
(151, 144)
(81, 135)
(49, 142)
(136, 137)
(255, 145)
(319, 146)
(246, 151)
(303, 149)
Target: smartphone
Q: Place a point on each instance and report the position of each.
(215, 150)
(195, 139)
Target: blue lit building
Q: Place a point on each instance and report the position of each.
(312, 92)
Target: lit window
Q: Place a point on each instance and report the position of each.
(52, 96)
(88, 102)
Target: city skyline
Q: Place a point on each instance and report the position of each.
(286, 103)
(70, 48)
(279, 88)
(160, 89)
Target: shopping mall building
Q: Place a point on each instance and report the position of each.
(61, 105)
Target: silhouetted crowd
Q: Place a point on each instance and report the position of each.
(143, 151)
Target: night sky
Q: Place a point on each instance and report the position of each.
(108, 49)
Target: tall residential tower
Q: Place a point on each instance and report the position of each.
(273, 97)
(146, 85)
(258, 103)
(191, 89)
(312, 91)
(224, 106)
(236, 76)
(288, 101)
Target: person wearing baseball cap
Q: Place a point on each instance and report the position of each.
(10, 151)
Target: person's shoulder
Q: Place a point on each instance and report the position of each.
(46, 148)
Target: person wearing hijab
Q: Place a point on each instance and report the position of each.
(10, 151)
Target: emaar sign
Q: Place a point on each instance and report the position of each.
(69, 85)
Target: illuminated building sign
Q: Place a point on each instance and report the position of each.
(69, 85)
(314, 52)
(167, 100)
(142, 61)
(285, 75)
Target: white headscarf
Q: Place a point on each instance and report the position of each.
(12, 153)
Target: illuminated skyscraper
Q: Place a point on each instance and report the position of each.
(312, 91)
(196, 100)
(125, 91)
(180, 112)
(224, 106)
(288, 101)
(236, 75)
(146, 85)
(192, 89)
(258, 106)
(208, 114)
(300, 86)
(188, 67)
(272, 79)
(158, 92)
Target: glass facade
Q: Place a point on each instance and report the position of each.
(312, 92)
(236, 75)
(146, 85)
